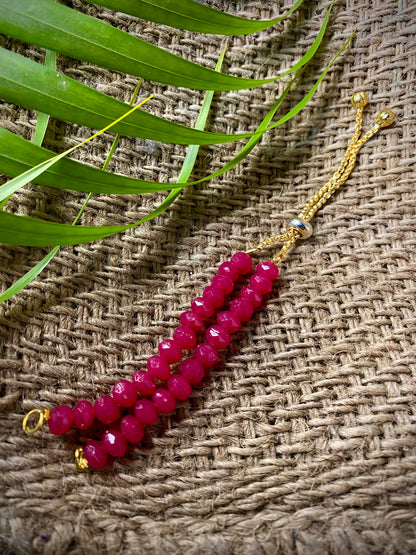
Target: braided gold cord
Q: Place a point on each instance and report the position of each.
(292, 234)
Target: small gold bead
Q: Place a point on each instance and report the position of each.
(359, 99)
(385, 118)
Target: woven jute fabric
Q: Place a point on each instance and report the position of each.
(302, 439)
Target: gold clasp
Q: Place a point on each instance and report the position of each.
(43, 416)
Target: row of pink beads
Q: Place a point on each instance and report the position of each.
(106, 409)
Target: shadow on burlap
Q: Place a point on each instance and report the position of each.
(303, 438)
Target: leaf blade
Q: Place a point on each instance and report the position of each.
(29, 84)
(192, 16)
(29, 276)
(43, 117)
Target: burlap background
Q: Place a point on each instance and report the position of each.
(303, 438)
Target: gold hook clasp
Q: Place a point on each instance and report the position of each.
(43, 416)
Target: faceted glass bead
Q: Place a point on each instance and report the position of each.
(131, 429)
(158, 367)
(214, 295)
(84, 415)
(243, 262)
(223, 282)
(202, 307)
(229, 269)
(60, 420)
(229, 321)
(106, 409)
(218, 337)
(192, 370)
(185, 337)
(124, 393)
(170, 351)
(206, 354)
(252, 295)
(114, 443)
(164, 401)
(262, 283)
(179, 387)
(242, 308)
(191, 320)
(95, 454)
(144, 383)
(268, 269)
(146, 412)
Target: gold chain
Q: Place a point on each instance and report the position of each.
(299, 227)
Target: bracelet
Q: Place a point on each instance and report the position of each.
(138, 403)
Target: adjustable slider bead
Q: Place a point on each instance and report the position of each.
(303, 227)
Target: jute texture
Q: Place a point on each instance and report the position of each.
(303, 438)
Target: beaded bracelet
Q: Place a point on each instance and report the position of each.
(137, 403)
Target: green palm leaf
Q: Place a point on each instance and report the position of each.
(21, 230)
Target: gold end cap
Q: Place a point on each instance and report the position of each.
(359, 99)
(385, 118)
(80, 461)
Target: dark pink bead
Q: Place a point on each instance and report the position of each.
(95, 454)
(84, 415)
(114, 443)
(60, 420)
(185, 337)
(214, 295)
(170, 350)
(229, 269)
(268, 269)
(229, 321)
(192, 370)
(131, 429)
(146, 412)
(262, 283)
(243, 262)
(252, 295)
(202, 307)
(158, 367)
(191, 320)
(164, 401)
(242, 308)
(218, 337)
(106, 409)
(144, 383)
(206, 355)
(124, 393)
(224, 283)
(179, 387)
